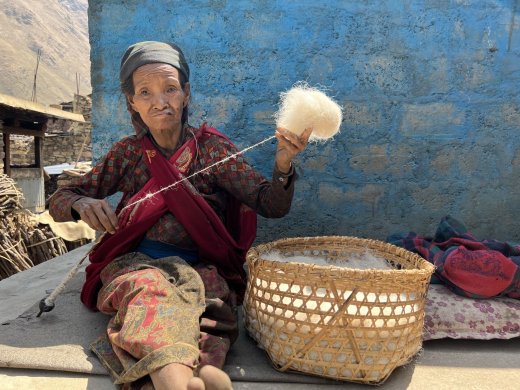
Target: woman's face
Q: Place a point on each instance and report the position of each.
(158, 97)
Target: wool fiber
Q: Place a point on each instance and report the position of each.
(304, 106)
(364, 260)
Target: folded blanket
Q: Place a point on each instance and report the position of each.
(469, 267)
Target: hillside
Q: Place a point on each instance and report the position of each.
(59, 28)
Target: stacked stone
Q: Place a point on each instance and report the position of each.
(66, 141)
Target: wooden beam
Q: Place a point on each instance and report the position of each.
(7, 154)
(21, 131)
(38, 146)
(38, 149)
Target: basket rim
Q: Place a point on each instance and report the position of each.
(423, 265)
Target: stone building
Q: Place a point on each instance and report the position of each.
(31, 131)
(65, 141)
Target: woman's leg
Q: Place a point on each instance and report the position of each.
(141, 298)
(179, 377)
(155, 325)
(214, 378)
(176, 376)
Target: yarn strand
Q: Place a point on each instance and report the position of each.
(198, 172)
(48, 303)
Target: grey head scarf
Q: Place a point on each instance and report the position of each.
(150, 52)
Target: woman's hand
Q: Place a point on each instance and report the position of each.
(97, 214)
(289, 145)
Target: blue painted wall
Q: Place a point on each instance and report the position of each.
(428, 88)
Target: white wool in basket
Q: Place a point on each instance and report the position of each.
(364, 260)
(303, 106)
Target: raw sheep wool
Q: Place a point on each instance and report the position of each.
(362, 260)
(304, 106)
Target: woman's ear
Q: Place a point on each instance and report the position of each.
(186, 94)
(130, 101)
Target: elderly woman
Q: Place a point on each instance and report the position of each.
(169, 270)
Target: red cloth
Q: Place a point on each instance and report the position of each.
(469, 267)
(217, 245)
(483, 272)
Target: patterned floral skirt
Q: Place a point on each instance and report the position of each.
(163, 311)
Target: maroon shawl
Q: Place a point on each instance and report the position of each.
(224, 246)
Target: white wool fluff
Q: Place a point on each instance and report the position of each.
(365, 260)
(303, 106)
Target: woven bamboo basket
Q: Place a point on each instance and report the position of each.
(336, 322)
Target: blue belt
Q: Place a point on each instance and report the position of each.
(158, 250)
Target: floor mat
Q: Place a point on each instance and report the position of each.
(58, 341)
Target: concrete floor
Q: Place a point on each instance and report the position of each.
(443, 364)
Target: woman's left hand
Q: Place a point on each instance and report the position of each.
(289, 145)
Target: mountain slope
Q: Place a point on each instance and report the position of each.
(59, 28)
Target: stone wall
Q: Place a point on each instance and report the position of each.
(429, 90)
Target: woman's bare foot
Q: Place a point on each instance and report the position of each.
(214, 378)
(174, 376)
(196, 384)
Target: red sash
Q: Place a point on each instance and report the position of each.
(224, 246)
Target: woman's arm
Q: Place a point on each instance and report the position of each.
(84, 199)
(269, 199)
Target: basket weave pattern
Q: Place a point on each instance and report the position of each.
(336, 322)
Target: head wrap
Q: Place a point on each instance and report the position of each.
(151, 52)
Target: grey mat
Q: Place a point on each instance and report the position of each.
(58, 340)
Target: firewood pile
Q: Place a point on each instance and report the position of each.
(24, 243)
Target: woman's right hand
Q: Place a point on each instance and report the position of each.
(97, 214)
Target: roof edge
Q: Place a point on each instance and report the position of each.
(27, 105)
